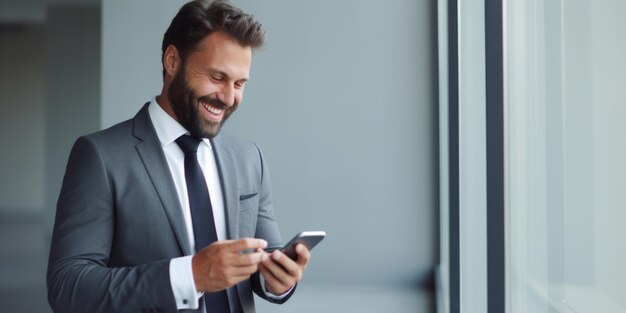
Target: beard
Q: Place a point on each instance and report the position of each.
(186, 106)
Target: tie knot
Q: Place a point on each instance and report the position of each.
(188, 143)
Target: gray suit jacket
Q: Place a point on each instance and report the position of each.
(119, 220)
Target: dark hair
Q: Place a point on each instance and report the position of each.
(199, 18)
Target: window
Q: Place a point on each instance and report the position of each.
(565, 156)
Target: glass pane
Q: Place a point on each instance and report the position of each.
(565, 105)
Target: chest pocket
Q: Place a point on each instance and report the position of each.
(248, 212)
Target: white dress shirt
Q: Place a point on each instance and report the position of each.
(168, 130)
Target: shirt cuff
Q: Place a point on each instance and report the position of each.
(271, 295)
(183, 285)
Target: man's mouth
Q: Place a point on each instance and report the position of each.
(211, 109)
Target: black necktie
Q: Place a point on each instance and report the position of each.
(201, 213)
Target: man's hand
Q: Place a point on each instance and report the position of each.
(223, 264)
(280, 272)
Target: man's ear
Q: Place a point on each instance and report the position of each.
(171, 60)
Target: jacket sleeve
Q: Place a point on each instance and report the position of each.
(79, 278)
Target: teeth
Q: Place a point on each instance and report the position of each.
(212, 109)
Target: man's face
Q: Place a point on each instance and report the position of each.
(208, 86)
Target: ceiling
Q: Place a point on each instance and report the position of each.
(34, 11)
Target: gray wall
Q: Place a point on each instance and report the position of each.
(342, 102)
(22, 120)
(49, 95)
(72, 88)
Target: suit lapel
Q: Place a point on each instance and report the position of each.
(225, 168)
(153, 159)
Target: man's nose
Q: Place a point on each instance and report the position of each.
(227, 94)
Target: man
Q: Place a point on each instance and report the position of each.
(163, 212)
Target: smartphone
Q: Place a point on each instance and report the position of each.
(307, 238)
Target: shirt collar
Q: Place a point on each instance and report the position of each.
(166, 127)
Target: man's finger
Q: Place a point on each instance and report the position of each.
(270, 279)
(247, 259)
(283, 268)
(303, 255)
(246, 244)
(287, 264)
(243, 271)
(274, 267)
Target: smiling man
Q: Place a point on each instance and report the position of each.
(164, 212)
